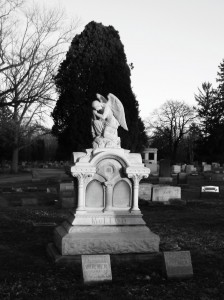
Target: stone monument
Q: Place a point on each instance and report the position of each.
(107, 219)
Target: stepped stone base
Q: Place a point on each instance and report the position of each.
(57, 258)
(111, 240)
(105, 233)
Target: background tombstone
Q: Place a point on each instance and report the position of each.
(145, 191)
(182, 178)
(165, 168)
(207, 168)
(166, 193)
(190, 169)
(176, 169)
(210, 192)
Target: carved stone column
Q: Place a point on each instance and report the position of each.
(108, 196)
(136, 174)
(81, 176)
(135, 178)
(81, 199)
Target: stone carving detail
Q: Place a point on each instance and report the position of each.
(108, 115)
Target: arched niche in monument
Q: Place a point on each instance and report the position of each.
(122, 194)
(94, 194)
(109, 169)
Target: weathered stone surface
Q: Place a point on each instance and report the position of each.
(165, 193)
(145, 191)
(176, 169)
(207, 168)
(96, 268)
(178, 264)
(108, 243)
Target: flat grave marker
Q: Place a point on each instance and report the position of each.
(210, 189)
(96, 268)
(210, 192)
(178, 264)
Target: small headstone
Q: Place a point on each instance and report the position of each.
(96, 268)
(209, 191)
(207, 168)
(176, 169)
(178, 264)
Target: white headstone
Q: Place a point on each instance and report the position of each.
(166, 193)
(207, 168)
(96, 268)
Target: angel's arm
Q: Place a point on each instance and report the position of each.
(102, 116)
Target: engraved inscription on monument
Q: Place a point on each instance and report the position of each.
(96, 268)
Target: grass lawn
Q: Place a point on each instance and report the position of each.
(27, 273)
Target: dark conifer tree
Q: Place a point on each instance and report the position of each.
(95, 63)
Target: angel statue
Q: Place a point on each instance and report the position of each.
(108, 114)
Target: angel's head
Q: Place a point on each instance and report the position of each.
(97, 105)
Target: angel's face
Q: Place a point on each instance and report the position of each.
(96, 105)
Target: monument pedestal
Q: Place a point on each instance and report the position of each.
(107, 219)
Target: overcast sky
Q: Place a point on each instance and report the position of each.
(175, 45)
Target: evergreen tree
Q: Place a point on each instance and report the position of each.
(220, 80)
(207, 108)
(95, 63)
(210, 146)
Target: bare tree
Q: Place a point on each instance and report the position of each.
(171, 122)
(7, 22)
(33, 49)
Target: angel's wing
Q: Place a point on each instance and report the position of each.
(118, 110)
(101, 98)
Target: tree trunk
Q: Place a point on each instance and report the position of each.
(15, 160)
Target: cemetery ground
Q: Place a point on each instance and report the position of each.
(26, 271)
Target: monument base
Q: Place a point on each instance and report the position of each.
(122, 239)
(57, 258)
(105, 233)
